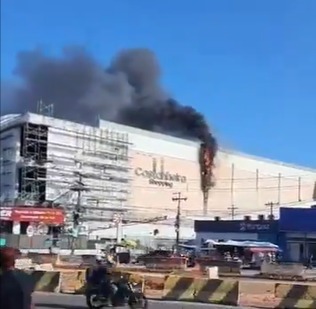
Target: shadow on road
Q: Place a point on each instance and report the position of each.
(59, 306)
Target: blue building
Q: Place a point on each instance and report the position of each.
(297, 233)
(294, 232)
(256, 230)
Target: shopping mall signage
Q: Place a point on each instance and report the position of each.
(28, 214)
(253, 227)
(160, 177)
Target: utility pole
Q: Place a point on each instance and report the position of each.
(78, 187)
(178, 198)
(271, 205)
(232, 209)
(117, 219)
(299, 187)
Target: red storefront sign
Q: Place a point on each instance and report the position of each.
(28, 214)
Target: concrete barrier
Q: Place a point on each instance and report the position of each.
(144, 270)
(283, 270)
(42, 258)
(45, 281)
(216, 291)
(224, 267)
(165, 263)
(180, 288)
(62, 260)
(243, 293)
(295, 296)
(72, 282)
(277, 295)
(136, 278)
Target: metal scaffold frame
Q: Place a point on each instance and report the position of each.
(99, 160)
(7, 167)
(33, 162)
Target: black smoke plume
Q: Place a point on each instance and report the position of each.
(128, 92)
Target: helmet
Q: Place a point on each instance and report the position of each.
(7, 257)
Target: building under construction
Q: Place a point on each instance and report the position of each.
(58, 163)
(99, 172)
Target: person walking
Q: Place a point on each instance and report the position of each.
(16, 287)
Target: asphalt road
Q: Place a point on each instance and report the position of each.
(63, 301)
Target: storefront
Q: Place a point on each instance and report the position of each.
(27, 220)
(256, 230)
(298, 233)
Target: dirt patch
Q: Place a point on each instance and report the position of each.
(258, 301)
(154, 283)
(154, 294)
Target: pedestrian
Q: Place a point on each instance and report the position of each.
(311, 261)
(16, 287)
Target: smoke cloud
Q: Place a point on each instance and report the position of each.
(128, 92)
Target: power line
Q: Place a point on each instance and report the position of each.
(178, 198)
(254, 178)
(133, 207)
(225, 189)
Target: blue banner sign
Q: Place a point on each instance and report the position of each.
(253, 227)
(235, 226)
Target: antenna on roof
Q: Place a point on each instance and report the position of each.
(98, 118)
(45, 109)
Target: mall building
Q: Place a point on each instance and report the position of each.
(131, 174)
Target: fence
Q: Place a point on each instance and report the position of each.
(82, 242)
(42, 242)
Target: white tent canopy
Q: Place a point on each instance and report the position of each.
(251, 244)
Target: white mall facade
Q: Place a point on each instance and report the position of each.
(135, 172)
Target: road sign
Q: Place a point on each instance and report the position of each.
(5, 213)
(30, 231)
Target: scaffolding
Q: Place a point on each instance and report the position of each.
(90, 168)
(7, 168)
(33, 164)
(77, 167)
(45, 109)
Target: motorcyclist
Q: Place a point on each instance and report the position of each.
(100, 276)
(16, 287)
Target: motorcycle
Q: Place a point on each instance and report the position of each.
(124, 293)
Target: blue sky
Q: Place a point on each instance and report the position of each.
(249, 66)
